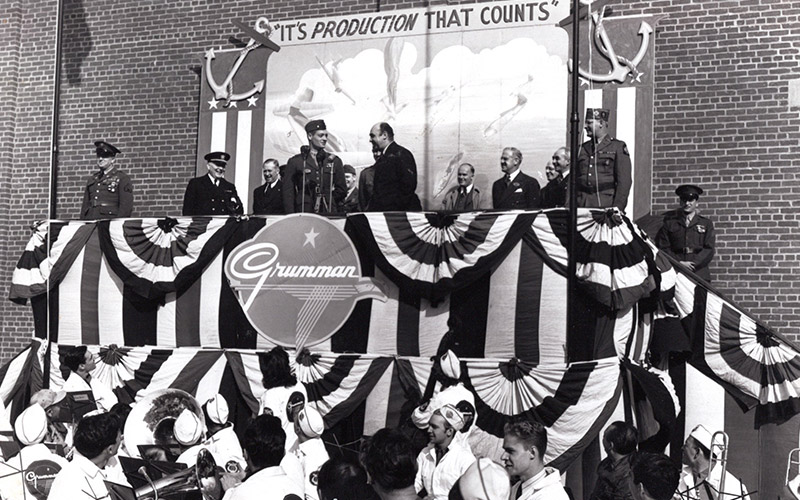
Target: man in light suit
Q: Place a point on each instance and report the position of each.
(267, 198)
(515, 190)
(465, 197)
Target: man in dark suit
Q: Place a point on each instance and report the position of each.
(549, 192)
(515, 190)
(365, 182)
(350, 203)
(267, 198)
(395, 183)
(211, 194)
(314, 180)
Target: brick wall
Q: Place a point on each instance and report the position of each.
(131, 76)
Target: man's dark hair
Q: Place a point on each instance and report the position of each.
(532, 433)
(622, 437)
(74, 357)
(657, 473)
(264, 441)
(275, 368)
(95, 433)
(387, 129)
(390, 459)
(343, 479)
(121, 410)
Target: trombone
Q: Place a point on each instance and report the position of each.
(719, 456)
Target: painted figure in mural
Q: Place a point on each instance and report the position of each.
(211, 194)
(687, 235)
(465, 197)
(395, 183)
(351, 203)
(515, 190)
(109, 192)
(365, 182)
(604, 166)
(314, 180)
(267, 198)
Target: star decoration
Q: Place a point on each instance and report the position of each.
(212, 104)
(583, 81)
(311, 238)
(233, 105)
(251, 102)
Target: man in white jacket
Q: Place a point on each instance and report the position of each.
(524, 445)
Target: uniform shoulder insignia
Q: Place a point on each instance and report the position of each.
(625, 149)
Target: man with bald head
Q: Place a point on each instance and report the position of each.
(267, 198)
(515, 190)
(465, 197)
(395, 183)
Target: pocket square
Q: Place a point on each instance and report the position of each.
(518, 190)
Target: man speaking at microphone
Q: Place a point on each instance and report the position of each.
(314, 179)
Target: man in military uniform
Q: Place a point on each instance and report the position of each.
(350, 203)
(268, 197)
(109, 192)
(314, 180)
(687, 235)
(211, 194)
(604, 166)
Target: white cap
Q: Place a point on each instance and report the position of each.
(453, 417)
(310, 422)
(702, 436)
(31, 425)
(188, 429)
(217, 409)
(485, 479)
(451, 365)
(422, 415)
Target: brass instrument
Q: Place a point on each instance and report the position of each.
(719, 455)
(203, 476)
(151, 419)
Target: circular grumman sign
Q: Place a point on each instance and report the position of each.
(298, 280)
(39, 476)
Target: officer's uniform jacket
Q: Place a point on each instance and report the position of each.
(692, 243)
(202, 197)
(604, 174)
(314, 185)
(107, 195)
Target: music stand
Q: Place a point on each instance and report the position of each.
(155, 469)
(9, 449)
(73, 407)
(119, 491)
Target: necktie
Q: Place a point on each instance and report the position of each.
(462, 199)
(439, 455)
(519, 491)
(508, 179)
(216, 182)
(267, 190)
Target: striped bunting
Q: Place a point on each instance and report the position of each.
(20, 377)
(614, 263)
(39, 269)
(434, 253)
(572, 401)
(157, 256)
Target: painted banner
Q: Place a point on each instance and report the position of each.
(457, 84)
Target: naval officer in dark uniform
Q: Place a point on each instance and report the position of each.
(211, 194)
(268, 197)
(687, 235)
(604, 166)
(314, 180)
(109, 192)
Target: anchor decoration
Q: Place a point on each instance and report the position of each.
(622, 68)
(259, 35)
